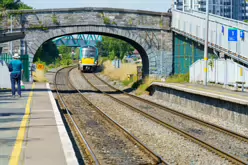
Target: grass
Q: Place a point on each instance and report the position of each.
(142, 87)
(120, 74)
(102, 60)
(39, 77)
(127, 82)
(179, 78)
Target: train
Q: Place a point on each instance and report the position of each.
(88, 59)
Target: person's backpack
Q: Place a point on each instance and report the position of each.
(10, 67)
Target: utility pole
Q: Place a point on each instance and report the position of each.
(11, 30)
(161, 49)
(206, 45)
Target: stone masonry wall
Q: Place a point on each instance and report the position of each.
(149, 31)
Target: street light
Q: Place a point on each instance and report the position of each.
(206, 45)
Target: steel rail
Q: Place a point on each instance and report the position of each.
(88, 150)
(204, 123)
(211, 148)
(159, 160)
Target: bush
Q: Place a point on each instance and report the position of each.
(106, 20)
(55, 19)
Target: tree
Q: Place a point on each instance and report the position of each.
(64, 49)
(13, 5)
(47, 53)
(110, 45)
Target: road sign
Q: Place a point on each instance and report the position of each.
(242, 34)
(40, 67)
(232, 35)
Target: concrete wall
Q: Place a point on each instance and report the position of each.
(189, 102)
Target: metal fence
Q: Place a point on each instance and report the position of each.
(192, 25)
(26, 64)
(220, 71)
(161, 64)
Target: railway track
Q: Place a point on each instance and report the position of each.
(102, 124)
(87, 150)
(108, 90)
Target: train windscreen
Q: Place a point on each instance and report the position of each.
(89, 53)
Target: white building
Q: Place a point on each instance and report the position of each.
(235, 9)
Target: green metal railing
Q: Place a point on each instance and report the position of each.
(25, 60)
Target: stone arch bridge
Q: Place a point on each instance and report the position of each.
(149, 32)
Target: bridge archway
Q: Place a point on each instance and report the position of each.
(149, 32)
(124, 35)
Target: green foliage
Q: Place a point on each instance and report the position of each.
(161, 23)
(130, 22)
(55, 19)
(102, 60)
(23, 6)
(11, 5)
(112, 55)
(179, 78)
(38, 27)
(64, 49)
(211, 61)
(66, 56)
(126, 82)
(111, 47)
(66, 60)
(47, 53)
(114, 23)
(106, 20)
(246, 21)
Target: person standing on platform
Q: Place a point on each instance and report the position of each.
(16, 69)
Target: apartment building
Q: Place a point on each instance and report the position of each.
(235, 9)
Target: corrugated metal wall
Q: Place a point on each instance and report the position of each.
(186, 52)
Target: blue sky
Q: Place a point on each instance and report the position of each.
(152, 5)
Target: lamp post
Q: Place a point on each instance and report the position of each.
(206, 45)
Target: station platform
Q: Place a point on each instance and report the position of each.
(216, 92)
(32, 131)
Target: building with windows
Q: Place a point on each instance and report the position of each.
(235, 9)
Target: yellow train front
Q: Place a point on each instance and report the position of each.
(88, 59)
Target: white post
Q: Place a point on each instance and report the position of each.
(206, 44)
(226, 70)
(183, 5)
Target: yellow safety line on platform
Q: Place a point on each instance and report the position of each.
(16, 152)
